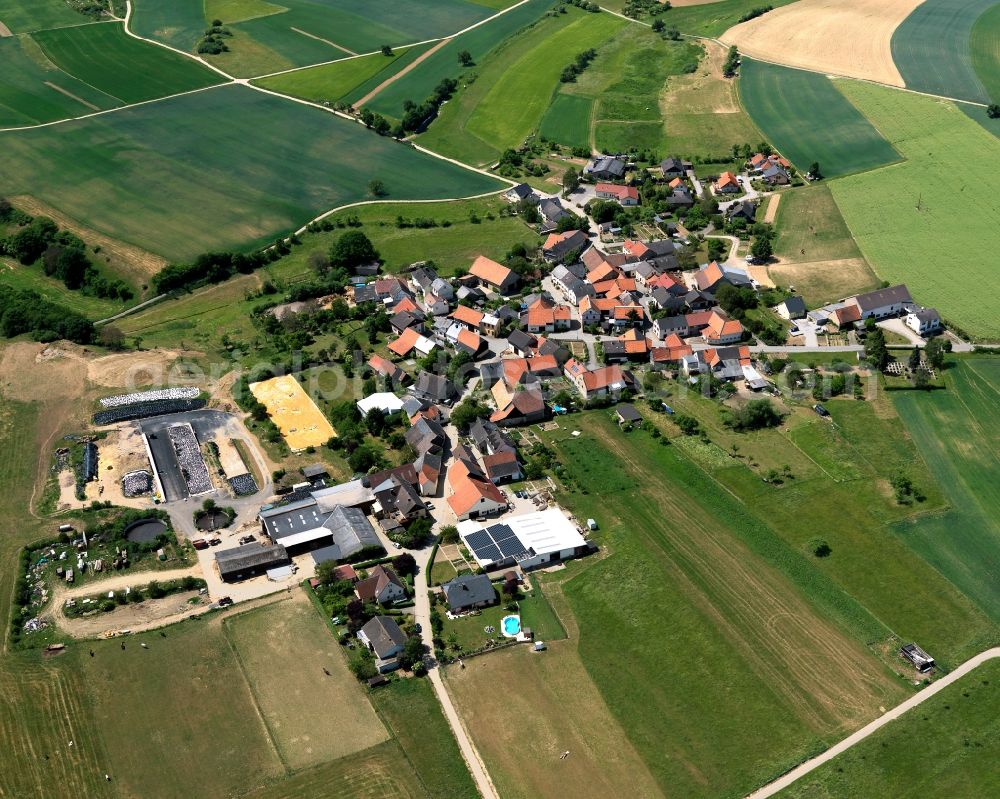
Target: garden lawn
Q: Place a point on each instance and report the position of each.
(341, 80)
(693, 579)
(958, 433)
(33, 90)
(808, 120)
(21, 16)
(413, 715)
(932, 222)
(934, 50)
(118, 65)
(947, 747)
(418, 84)
(233, 168)
(984, 44)
(567, 120)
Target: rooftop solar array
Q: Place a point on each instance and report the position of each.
(495, 543)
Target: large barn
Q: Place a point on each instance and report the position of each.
(528, 541)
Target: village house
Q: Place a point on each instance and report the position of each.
(545, 316)
(790, 308)
(710, 276)
(883, 303)
(473, 494)
(601, 382)
(624, 195)
(674, 167)
(385, 640)
(558, 246)
(520, 192)
(468, 592)
(721, 329)
(727, 184)
(605, 167)
(382, 586)
(925, 322)
(552, 213)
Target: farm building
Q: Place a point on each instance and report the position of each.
(469, 591)
(338, 532)
(921, 660)
(249, 560)
(883, 303)
(529, 540)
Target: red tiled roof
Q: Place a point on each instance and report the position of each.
(489, 271)
(467, 316)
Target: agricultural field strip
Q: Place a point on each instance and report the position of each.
(411, 44)
(925, 694)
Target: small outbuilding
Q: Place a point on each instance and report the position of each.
(627, 414)
(921, 661)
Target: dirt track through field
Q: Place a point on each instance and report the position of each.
(842, 37)
(831, 681)
(71, 96)
(374, 92)
(325, 41)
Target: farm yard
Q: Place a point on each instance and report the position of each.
(228, 175)
(937, 750)
(683, 558)
(829, 36)
(938, 201)
(301, 423)
(808, 119)
(935, 51)
(958, 433)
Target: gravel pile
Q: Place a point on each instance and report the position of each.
(137, 483)
(243, 485)
(119, 400)
(189, 457)
(144, 410)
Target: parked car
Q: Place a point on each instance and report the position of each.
(397, 545)
(821, 410)
(417, 628)
(214, 542)
(225, 602)
(200, 543)
(246, 539)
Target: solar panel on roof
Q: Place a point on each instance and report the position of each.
(510, 547)
(490, 552)
(500, 532)
(478, 539)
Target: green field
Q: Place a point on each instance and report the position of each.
(342, 80)
(104, 57)
(33, 278)
(958, 433)
(933, 52)
(984, 44)
(940, 201)
(226, 172)
(807, 120)
(810, 227)
(512, 108)
(711, 19)
(24, 17)
(947, 747)
(567, 120)
(693, 580)
(418, 84)
(33, 90)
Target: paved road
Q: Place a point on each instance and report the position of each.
(797, 773)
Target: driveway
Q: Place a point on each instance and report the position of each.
(900, 329)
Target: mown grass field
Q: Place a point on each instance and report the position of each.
(283, 650)
(698, 583)
(984, 44)
(946, 747)
(413, 715)
(810, 227)
(227, 172)
(807, 120)
(567, 120)
(933, 52)
(342, 80)
(419, 82)
(958, 433)
(940, 201)
(33, 90)
(104, 57)
(523, 710)
(22, 17)
(711, 19)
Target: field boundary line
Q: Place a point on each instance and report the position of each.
(133, 309)
(202, 61)
(855, 738)
(72, 96)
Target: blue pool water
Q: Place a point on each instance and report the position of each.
(511, 625)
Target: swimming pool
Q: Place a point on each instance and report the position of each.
(511, 626)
